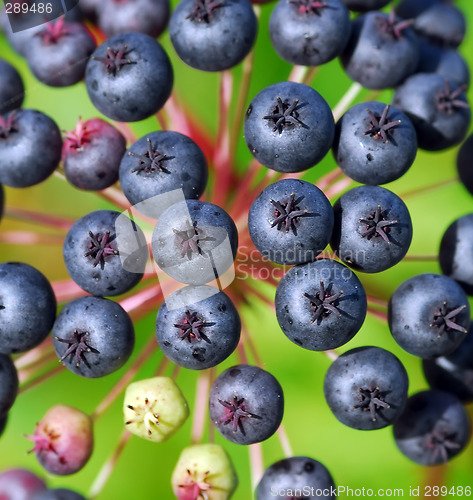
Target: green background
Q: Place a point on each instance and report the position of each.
(356, 459)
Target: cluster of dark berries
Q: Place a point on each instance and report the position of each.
(176, 211)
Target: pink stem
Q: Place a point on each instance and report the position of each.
(116, 197)
(337, 188)
(331, 354)
(285, 444)
(256, 462)
(378, 314)
(30, 238)
(144, 301)
(426, 189)
(127, 131)
(67, 290)
(34, 355)
(61, 223)
(161, 119)
(377, 302)
(108, 466)
(420, 258)
(33, 369)
(201, 404)
(29, 384)
(329, 178)
(149, 349)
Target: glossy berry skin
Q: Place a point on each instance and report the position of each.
(320, 305)
(22, 134)
(246, 404)
(437, 108)
(195, 242)
(105, 253)
(57, 55)
(362, 152)
(212, 36)
(295, 473)
(380, 57)
(63, 440)
(433, 428)
(28, 307)
(290, 134)
(372, 230)
(365, 5)
(455, 252)
(11, 87)
(20, 484)
(161, 162)
(203, 332)
(429, 315)
(129, 77)
(154, 409)
(204, 470)
(298, 230)
(91, 155)
(93, 336)
(453, 373)
(444, 61)
(126, 16)
(465, 163)
(366, 388)
(8, 384)
(302, 34)
(58, 494)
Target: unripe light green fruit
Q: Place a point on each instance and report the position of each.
(154, 408)
(204, 471)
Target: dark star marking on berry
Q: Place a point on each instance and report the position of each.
(288, 213)
(152, 161)
(53, 32)
(323, 303)
(380, 126)
(445, 319)
(392, 27)
(448, 101)
(309, 6)
(7, 126)
(235, 412)
(115, 59)
(377, 225)
(78, 137)
(371, 400)
(99, 248)
(191, 327)
(204, 10)
(77, 347)
(190, 239)
(284, 115)
(442, 443)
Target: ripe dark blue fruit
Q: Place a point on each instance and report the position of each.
(437, 107)
(366, 388)
(429, 315)
(291, 222)
(455, 252)
(365, 5)
(213, 35)
(126, 16)
(195, 242)
(289, 127)
(372, 230)
(465, 163)
(374, 143)
(307, 32)
(246, 404)
(91, 154)
(382, 50)
(105, 253)
(20, 484)
(320, 305)
(8, 384)
(433, 428)
(453, 373)
(159, 163)
(11, 88)
(27, 307)
(439, 20)
(296, 476)
(129, 77)
(198, 327)
(58, 494)
(23, 133)
(93, 336)
(57, 54)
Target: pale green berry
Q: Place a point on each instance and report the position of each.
(154, 408)
(204, 471)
